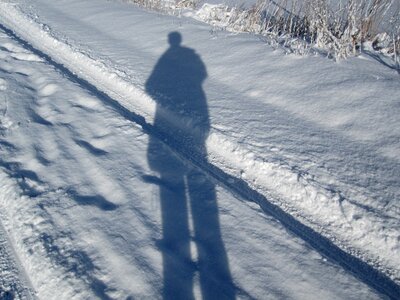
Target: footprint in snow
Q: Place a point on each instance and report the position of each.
(21, 56)
(48, 90)
(3, 84)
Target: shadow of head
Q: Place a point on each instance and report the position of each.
(174, 39)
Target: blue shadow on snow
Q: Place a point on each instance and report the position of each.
(176, 85)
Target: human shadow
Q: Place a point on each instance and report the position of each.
(176, 85)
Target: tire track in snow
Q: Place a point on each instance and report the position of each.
(326, 247)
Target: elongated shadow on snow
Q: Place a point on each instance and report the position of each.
(185, 194)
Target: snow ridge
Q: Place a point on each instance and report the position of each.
(14, 284)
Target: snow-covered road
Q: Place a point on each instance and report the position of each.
(104, 194)
(95, 220)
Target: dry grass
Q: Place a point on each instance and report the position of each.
(339, 27)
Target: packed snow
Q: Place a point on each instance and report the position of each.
(111, 129)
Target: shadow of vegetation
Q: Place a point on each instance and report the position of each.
(387, 62)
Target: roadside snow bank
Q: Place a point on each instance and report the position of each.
(24, 223)
(364, 232)
(13, 282)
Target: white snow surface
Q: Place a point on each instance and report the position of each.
(319, 139)
(84, 221)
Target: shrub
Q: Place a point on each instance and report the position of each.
(339, 27)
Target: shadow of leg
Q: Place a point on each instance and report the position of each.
(215, 277)
(178, 268)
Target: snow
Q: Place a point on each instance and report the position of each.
(87, 222)
(316, 138)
